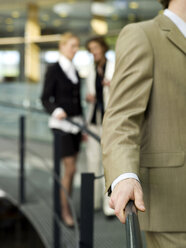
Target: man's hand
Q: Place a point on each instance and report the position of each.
(127, 189)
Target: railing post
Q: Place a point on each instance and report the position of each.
(87, 210)
(22, 159)
(56, 191)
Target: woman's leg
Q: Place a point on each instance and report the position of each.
(93, 153)
(67, 180)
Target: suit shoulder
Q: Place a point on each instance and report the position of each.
(148, 26)
(138, 26)
(141, 32)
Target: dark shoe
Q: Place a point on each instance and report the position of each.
(68, 221)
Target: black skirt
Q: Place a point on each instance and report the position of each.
(70, 143)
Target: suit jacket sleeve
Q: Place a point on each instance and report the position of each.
(48, 94)
(129, 95)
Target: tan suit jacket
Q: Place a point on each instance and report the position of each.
(144, 129)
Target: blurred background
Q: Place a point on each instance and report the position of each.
(29, 34)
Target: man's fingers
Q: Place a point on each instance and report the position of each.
(119, 206)
(111, 203)
(119, 212)
(126, 190)
(138, 196)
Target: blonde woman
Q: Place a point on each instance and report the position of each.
(61, 99)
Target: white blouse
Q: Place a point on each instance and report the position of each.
(69, 68)
(70, 71)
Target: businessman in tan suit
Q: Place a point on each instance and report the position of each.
(144, 128)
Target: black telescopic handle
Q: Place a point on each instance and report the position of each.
(85, 129)
(133, 233)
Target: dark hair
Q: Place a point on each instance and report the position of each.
(165, 3)
(100, 40)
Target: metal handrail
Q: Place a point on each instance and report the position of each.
(41, 111)
(42, 197)
(133, 233)
(49, 207)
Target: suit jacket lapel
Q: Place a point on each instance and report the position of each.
(172, 32)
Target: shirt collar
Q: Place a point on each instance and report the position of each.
(69, 68)
(64, 62)
(181, 25)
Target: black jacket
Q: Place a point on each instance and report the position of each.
(59, 91)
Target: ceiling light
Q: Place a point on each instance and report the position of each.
(100, 27)
(8, 21)
(15, 14)
(57, 23)
(133, 5)
(62, 9)
(63, 14)
(79, 9)
(120, 4)
(45, 17)
(131, 17)
(102, 9)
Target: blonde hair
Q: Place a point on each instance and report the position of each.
(66, 37)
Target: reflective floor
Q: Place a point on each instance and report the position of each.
(15, 100)
(18, 99)
(17, 233)
(15, 230)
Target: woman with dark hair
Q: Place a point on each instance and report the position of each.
(98, 84)
(165, 3)
(61, 99)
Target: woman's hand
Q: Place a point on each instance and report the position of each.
(61, 115)
(84, 137)
(90, 98)
(106, 82)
